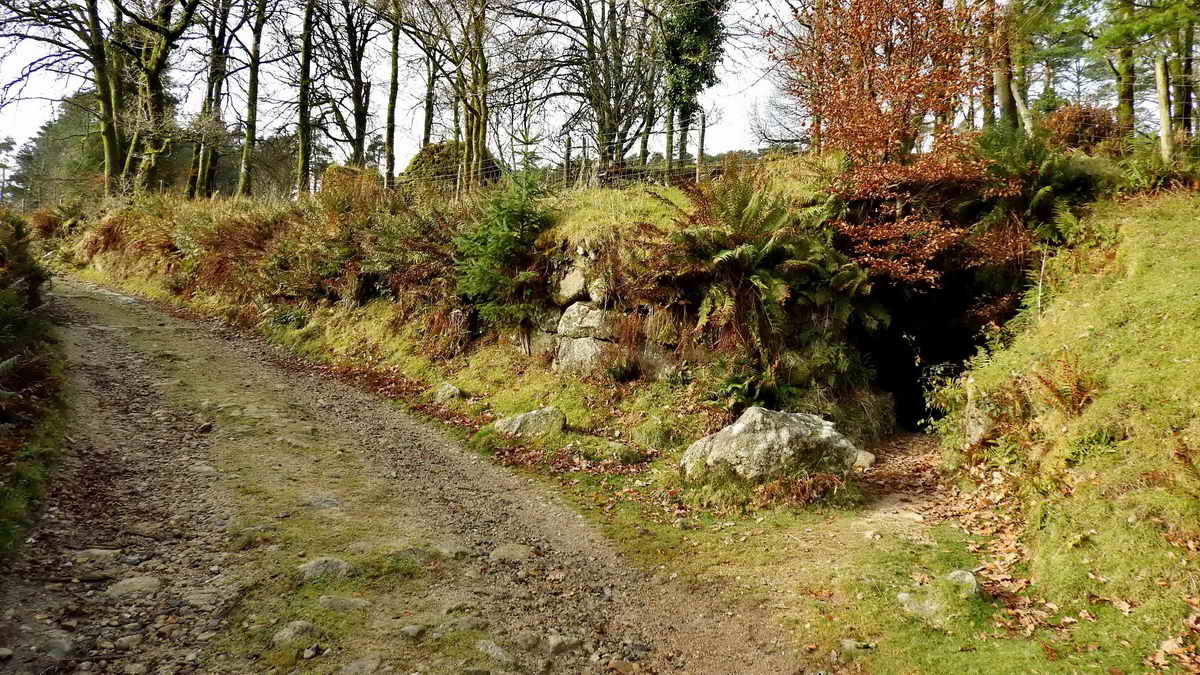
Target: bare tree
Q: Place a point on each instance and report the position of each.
(250, 132)
(304, 125)
(219, 38)
(151, 39)
(458, 35)
(607, 62)
(75, 41)
(343, 31)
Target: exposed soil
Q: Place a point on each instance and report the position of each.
(199, 475)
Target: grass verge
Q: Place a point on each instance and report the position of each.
(23, 479)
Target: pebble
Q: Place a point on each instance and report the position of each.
(339, 603)
(293, 632)
(5, 653)
(128, 642)
(361, 667)
(413, 632)
(452, 551)
(59, 648)
(558, 644)
(97, 554)
(493, 651)
(134, 586)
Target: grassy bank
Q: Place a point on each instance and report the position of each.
(413, 294)
(1086, 410)
(31, 424)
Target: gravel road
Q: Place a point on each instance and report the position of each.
(203, 478)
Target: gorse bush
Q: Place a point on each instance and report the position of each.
(20, 275)
(495, 260)
(347, 191)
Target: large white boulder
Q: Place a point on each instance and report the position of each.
(579, 355)
(764, 444)
(583, 319)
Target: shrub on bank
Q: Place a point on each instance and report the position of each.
(27, 380)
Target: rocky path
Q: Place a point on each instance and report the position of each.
(216, 512)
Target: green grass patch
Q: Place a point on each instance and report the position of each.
(587, 217)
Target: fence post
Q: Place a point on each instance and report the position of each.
(567, 164)
(1166, 136)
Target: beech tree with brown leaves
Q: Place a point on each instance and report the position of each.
(874, 75)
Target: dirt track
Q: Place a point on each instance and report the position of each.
(208, 473)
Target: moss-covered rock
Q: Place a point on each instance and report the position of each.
(439, 162)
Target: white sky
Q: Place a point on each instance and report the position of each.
(740, 90)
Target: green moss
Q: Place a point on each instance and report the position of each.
(587, 217)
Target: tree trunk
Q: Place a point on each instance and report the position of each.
(245, 172)
(1125, 74)
(1162, 83)
(567, 164)
(989, 89)
(644, 145)
(389, 177)
(1003, 81)
(685, 127)
(670, 151)
(109, 136)
(304, 129)
(1022, 110)
(700, 147)
(1182, 72)
(195, 166)
(430, 100)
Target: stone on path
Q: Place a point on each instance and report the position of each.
(447, 392)
(511, 553)
(324, 567)
(533, 424)
(340, 603)
(134, 586)
(294, 632)
(413, 631)
(864, 460)
(97, 554)
(493, 651)
(361, 667)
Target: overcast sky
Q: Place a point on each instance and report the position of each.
(740, 90)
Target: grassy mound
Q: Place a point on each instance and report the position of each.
(1089, 402)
